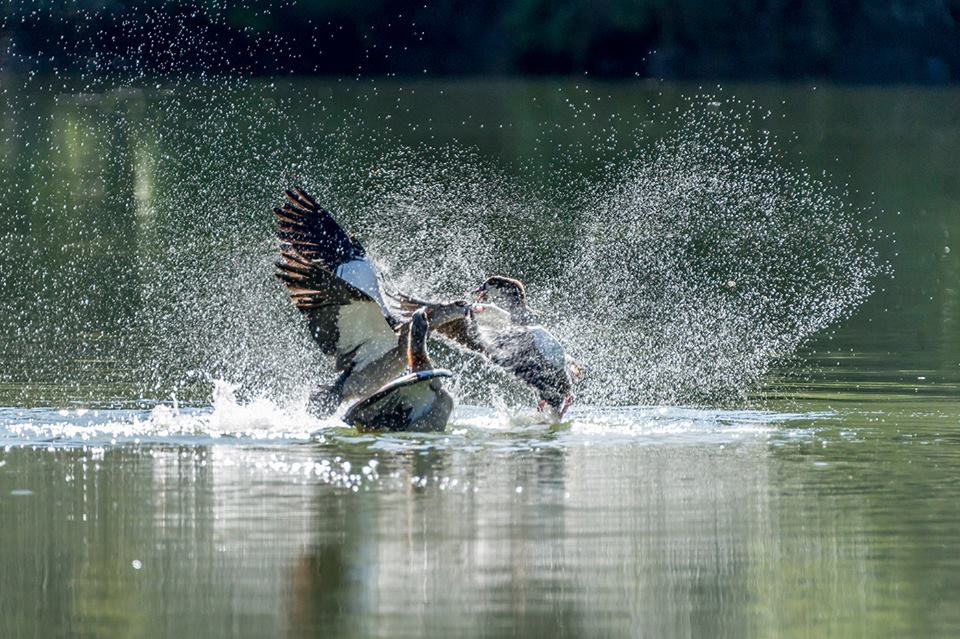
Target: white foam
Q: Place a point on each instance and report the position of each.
(258, 420)
(228, 421)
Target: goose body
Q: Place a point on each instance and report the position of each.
(414, 402)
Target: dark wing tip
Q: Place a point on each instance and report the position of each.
(301, 222)
(299, 192)
(300, 199)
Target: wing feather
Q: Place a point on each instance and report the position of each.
(332, 283)
(344, 321)
(312, 231)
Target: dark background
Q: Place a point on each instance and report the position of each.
(863, 41)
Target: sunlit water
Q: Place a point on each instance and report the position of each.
(767, 443)
(252, 521)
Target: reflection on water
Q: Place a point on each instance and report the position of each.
(832, 524)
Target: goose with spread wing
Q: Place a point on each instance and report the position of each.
(337, 288)
(509, 334)
(414, 402)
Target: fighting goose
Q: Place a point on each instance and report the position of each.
(413, 402)
(333, 283)
(509, 334)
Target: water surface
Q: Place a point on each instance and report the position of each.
(159, 476)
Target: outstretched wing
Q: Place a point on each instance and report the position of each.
(344, 320)
(313, 233)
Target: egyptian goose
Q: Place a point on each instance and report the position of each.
(337, 288)
(508, 333)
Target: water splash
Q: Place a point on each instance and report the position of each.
(710, 258)
(260, 420)
(678, 255)
(229, 422)
(678, 276)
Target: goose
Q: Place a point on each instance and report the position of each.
(413, 402)
(508, 334)
(337, 288)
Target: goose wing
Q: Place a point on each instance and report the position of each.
(344, 320)
(312, 232)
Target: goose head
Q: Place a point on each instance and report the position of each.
(507, 293)
(441, 314)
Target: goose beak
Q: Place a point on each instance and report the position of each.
(477, 308)
(479, 293)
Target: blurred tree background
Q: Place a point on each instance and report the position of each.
(870, 41)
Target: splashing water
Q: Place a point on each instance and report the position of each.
(259, 420)
(709, 259)
(681, 276)
(263, 422)
(678, 266)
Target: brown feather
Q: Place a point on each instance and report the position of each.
(297, 202)
(304, 196)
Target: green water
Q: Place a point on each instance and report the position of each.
(821, 502)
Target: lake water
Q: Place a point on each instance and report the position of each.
(760, 448)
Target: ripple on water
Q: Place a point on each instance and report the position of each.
(262, 421)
